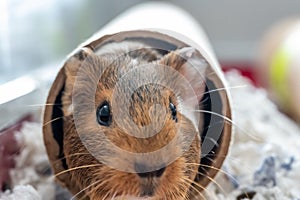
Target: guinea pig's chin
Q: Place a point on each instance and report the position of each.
(128, 197)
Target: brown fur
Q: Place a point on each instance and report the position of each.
(111, 182)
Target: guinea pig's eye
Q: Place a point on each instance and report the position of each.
(173, 111)
(103, 114)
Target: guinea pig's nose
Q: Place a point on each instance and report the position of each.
(139, 167)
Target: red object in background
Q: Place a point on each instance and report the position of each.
(8, 149)
(246, 69)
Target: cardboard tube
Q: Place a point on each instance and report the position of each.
(159, 25)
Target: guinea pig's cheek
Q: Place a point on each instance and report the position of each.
(192, 158)
(113, 184)
(172, 183)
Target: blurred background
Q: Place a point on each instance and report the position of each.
(37, 34)
(34, 33)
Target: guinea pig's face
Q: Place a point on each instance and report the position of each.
(137, 142)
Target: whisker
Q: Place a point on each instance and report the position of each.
(227, 120)
(213, 140)
(216, 114)
(97, 187)
(183, 194)
(197, 184)
(226, 88)
(231, 158)
(78, 193)
(60, 159)
(45, 104)
(216, 90)
(113, 197)
(211, 179)
(75, 154)
(210, 159)
(106, 195)
(46, 123)
(76, 168)
(211, 167)
(219, 155)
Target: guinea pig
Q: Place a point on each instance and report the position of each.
(132, 126)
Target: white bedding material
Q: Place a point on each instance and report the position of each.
(264, 158)
(24, 192)
(31, 160)
(265, 154)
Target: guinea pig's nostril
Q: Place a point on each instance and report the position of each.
(159, 173)
(139, 167)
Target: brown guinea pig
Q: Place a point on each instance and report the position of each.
(132, 124)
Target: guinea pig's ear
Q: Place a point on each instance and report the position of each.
(74, 62)
(189, 62)
(70, 69)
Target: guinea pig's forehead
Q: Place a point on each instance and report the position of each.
(123, 62)
(153, 93)
(117, 67)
